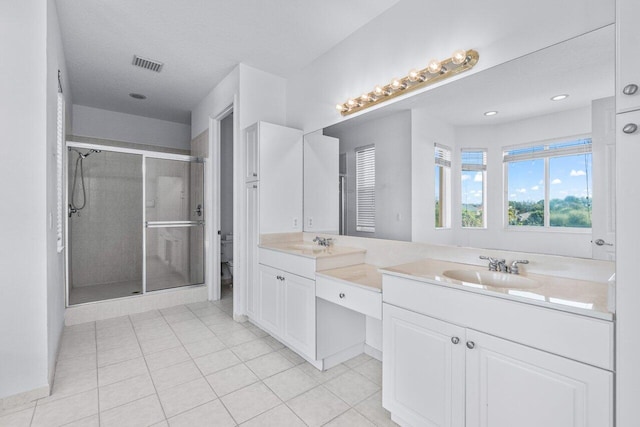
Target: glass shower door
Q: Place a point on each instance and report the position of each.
(174, 215)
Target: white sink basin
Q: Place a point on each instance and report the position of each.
(492, 278)
(308, 247)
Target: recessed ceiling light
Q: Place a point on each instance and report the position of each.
(560, 97)
(137, 96)
(490, 113)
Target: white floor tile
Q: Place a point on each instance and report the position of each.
(66, 410)
(125, 391)
(373, 410)
(165, 358)
(203, 347)
(158, 344)
(121, 371)
(357, 361)
(351, 418)
(212, 413)
(215, 362)
(251, 350)
(317, 406)
(323, 376)
(277, 417)
(120, 354)
(143, 412)
(372, 370)
(269, 364)
(174, 375)
(352, 387)
(231, 379)
(250, 401)
(17, 419)
(184, 397)
(290, 383)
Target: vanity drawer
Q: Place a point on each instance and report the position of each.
(350, 296)
(299, 265)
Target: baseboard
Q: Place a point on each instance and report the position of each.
(373, 352)
(24, 398)
(240, 318)
(102, 310)
(342, 356)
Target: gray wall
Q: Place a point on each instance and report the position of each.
(392, 139)
(106, 238)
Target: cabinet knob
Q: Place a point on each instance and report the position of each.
(455, 340)
(255, 186)
(630, 89)
(471, 345)
(254, 174)
(630, 128)
(341, 295)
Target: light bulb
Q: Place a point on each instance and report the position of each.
(434, 66)
(398, 84)
(352, 102)
(414, 75)
(365, 97)
(459, 56)
(379, 90)
(340, 107)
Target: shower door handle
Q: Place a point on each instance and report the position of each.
(198, 210)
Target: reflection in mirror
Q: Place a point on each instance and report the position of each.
(538, 176)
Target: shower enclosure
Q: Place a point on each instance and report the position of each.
(135, 222)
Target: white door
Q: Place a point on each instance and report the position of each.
(299, 311)
(251, 166)
(251, 198)
(423, 369)
(628, 68)
(603, 218)
(509, 385)
(270, 299)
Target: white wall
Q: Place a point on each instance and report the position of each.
(215, 102)
(391, 136)
(97, 123)
(410, 33)
(23, 211)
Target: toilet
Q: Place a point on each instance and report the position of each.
(226, 259)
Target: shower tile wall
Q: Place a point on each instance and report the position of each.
(106, 238)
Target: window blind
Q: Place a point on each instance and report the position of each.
(565, 148)
(366, 189)
(442, 155)
(474, 160)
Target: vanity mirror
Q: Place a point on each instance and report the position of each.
(497, 159)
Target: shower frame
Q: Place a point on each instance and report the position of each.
(144, 226)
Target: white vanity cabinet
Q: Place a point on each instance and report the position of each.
(440, 370)
(628, 66)
(287, 308)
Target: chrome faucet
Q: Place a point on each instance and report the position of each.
(326, 242)
(500, 265)
(495, 264)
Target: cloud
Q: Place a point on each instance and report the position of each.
(513, 196)
(478, 177)
(465, 177)
(577, 173)
(521, 190)
(535, 188)
(556, 181)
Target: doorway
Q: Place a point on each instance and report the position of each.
(226, 209)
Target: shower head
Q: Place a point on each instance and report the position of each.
(94, 151)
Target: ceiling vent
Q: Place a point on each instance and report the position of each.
(148, 64)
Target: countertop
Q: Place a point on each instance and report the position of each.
(576, 296)
(365, 276)
(311, 250)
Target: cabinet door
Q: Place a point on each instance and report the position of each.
(509, 384)
(422, 368)
(299, 307)
(251, 198)
(252, 167)
(270, 299)
(280, 179)
(627, 53)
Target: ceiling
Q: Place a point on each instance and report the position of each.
(199, 42)
(583, 68)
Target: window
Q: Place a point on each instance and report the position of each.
(473, 178)
(443, 186)
(550, 185)
(366, 189)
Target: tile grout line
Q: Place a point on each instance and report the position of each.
(148, 371)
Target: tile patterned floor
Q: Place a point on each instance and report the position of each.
(194, 366)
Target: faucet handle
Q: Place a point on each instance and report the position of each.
(514, 265)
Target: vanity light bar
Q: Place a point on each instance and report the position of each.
(460, 61)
